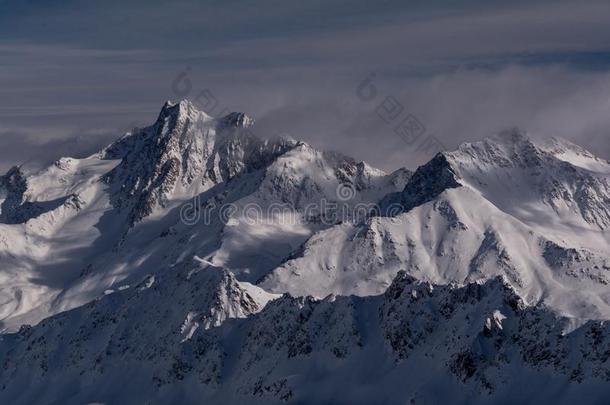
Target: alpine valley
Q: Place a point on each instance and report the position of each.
(193, 261)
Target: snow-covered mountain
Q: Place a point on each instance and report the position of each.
(156, 197)
(504, 206)
(199, 261)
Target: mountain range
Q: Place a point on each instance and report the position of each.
(195, 260)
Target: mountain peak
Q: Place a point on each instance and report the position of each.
(187, 109)
(515, 144)
(519, 139)
(181, 110)
(184, 152)
(568, 184)
(236, 120)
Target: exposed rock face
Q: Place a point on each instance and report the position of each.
(13, 186)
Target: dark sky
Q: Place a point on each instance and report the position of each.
(76, 74)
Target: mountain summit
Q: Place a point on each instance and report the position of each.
(184, 152)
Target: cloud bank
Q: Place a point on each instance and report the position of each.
(74, 75)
